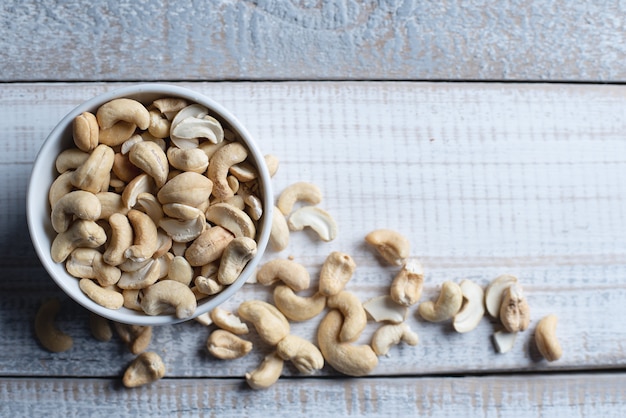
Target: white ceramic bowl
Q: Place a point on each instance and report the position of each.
(44, 173)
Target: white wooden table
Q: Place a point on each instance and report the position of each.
(484, 178)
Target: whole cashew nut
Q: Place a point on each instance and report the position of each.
(168, 296)
(81, 233)
(337, 270)
(269, 322)
(103, 296)
(354, 316)
(145, 241)
(48, 334)
(303, 354)
(227, 346)
(279, 234)
(121, 239)
(187, 188)
(93, 175)
(352, 360)
(234, 259)
(545, 337)
(127, 110)
(298, 308)
(228, 321)
(289, 272)
(391, 245)
(85, 131)
(209, 246)
(79, 204)
(147, 367)
(151, 159)
(220, 164)
(447, 305)
(301, 191)
(267, 373)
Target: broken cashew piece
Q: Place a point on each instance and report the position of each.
(289, 272)
(391, 245)
(392, 334)
(546, 340)
(225, 345)
(301, 191)
(51, 337)
(354, 316)
(127, 110)
(351, 360)
(504, 341)
(146, 368)
(447, 305)
(267, 373)
(473, 308)
(298, 308)
(279, 234)
(302, 353)
(514, 311)
(494, 293)
(231, 218)
(228, 321)
(315, 218)
(337, 270)
(384, 309)
(168, 296)
(269, 322)
(406, 288)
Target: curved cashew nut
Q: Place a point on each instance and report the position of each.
(352, 360)
(137, 337)
(514, 311)
(142, 277)
(298, 308)
(168, 296)
(225, 345)
(80, 204)
(391, 245)
(143, 183)
(545, 337)
(301, 191)
(52, 338)
(146, 240)
(70, 159)
(269, 322)
(219, 165)
(93, 175)
(391, 334)
(192, 123)
(354, 317)
(103, 296)
(406, 288)
(235, 257)
(337, 270)
(170, 106)
(87, 263)
(447, 305)
(383, 308)
(151, 206)
(289, 272)
(151, 159)
(235, 220)
(315, 218)
(117, 134)
(61, 186)
(146, 368)
(209, 246)
(208, 285)
(127, 110)
(192, 159)
(182, 212)
(111, 203)
(474, 308)
(279, 234)
(81, 233)
(254, 206)
(85, 131)
(121, 239)
(187, 188)
(180, 270)
(494, 293)
(303, 354)
(159, 126)
(181, 230)
(267, 373)
(228, 321)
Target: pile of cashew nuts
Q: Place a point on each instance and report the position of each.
(156, 207)
(159, 248)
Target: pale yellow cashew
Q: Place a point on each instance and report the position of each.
(269, 322)
(337, 270)
(168, 296)
(145, 241)
(267, 373)
(219, 165)
(146, 368)
(303, 354)
(81, 233)
(121, 239)
(406, 288)
(391, 334)
(298, 308)
(70, 159)
(227, 320)
(151, 159)
(320, 221)
(391, 245)
(117, 134)
(142, 277)
(289, 272)
(279, 234)
(354, 317)
(85, 131)
(233, 219)
(79, 204)
(103, 296)
(61, 186)
(225, 345)
(123, 109)
(136, 337)
(473, 308)
(209, 246)
(546, 339)
(235, 258)
(193, 159)
(187, 188)
(447, 305)
(111, 203)
(93, 175)
(296, 192)
(514, 311)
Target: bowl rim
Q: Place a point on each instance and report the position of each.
(38, 232)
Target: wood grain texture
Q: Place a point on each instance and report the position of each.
(572, 396)
(313, 40)
(483, 179)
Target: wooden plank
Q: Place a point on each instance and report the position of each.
(575, 395)
(483, 178)
(322, 40)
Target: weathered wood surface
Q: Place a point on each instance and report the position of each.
(483, 178)
(315, 40)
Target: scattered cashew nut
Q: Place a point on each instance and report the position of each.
(392, 334)
(546, 340)
(225, 345)
(473, 308)
(391, 245)
(146, 368)
(269, 322)
(315, 218)
(52, 338)
(447, 305)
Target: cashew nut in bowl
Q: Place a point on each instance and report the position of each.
(85, 131)
(187, 188)
(151, 159)
(81, 233)
(93, 175)
(220, 164)
(123, 109)
(61, 186)
(546, 340)
(70, 160)
(168, 296)
(145, 241)
(234, 259)
(79, 204)
(447, 305)
(103, 296)
(391, 245)
(208, 246)
(120, 241)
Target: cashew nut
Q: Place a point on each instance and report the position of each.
(406, 288)
(182, 212)
(136, 337)
(192, 123)
(170, 106)
(146, 368)
(61, 186)
(159, 125)
(181, 230)
(303, 354)
(494, 293)
(100, 327)
(168, 296)
(289, 272)
(391, 245)
(298, 308)
(269, 322)
(151, 159)
(301, 191)
(315, 218)
(111, 203)
(228, 321)
(447, 305)
(180, 270)
(504, 340)
(254, 206)
(187, 188)
(272, 162)
(85, 131)
(514, 311)
(81, 233)
(235, 220)
(279, 234)
(50, 337)
(227, 346)
(141, 278)
(352, 360)
(93, 175)
(235, 257)
(219, 164)
(151, 206)
(473, 308)
(354, 316)
(267, 373)
(383, 308)
(123, 109)
(209, 246)
(337, 270)
(70, 159)
(107, 297)
(390, 335)
(545, 337)
(141, 184)
(145, 238)
(131, 299)
(193, 159)
(79, 204)
(117, 134)
(121, 239)
(208, 285)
